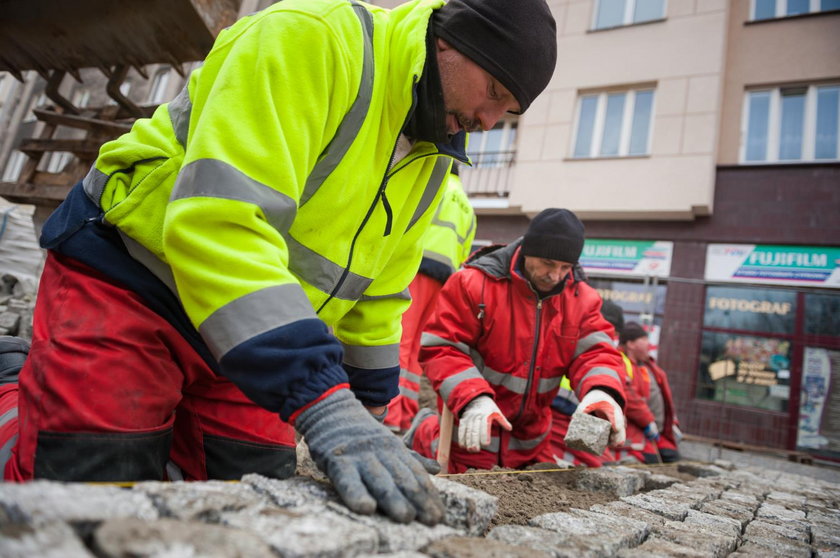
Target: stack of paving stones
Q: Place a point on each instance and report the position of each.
(723, 512)
(15, 312)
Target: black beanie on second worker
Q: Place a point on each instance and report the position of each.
(554, 234)
(515, 41)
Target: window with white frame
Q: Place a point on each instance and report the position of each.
(791, 124)
(613, 124)
(771, 9)
(616, 13)
(157, 93)
(495, 147)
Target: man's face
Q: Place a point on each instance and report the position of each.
(474, 99)
(638, 349)
(545, 274)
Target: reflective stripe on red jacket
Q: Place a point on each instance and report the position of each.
(491, 334)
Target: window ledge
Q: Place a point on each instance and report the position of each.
(626, 25)
(610, 158)
(790, 17)
(760, 164)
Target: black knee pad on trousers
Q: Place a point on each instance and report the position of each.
(13, 352)
(229, 458)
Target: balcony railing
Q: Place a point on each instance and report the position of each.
(490, 174)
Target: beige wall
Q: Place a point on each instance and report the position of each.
(800, 50)
(683, 56)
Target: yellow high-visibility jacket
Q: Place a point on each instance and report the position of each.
(448, 241)
(265, 196)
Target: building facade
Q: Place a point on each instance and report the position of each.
(698, 141)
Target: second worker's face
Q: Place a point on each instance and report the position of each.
(474, 99)
(545, 274)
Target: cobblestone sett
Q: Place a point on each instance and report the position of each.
(709, 540)
(696, 492)
(403, 554)
(394, 537)
(205, 500)
(722, 508)
(655, 482)
(170, 537)
(724, 464)
(588, 433)
(747, 500)
(824, 516)
(466, 547)
(786, 499)
(793, 530)
(825, 538)
(299, 533)
(775, 546)
(654, 547)
(623, 509)
(675, 511)
(700, 469)
(605, 479)
(50, 539)
(553, 543)
(45, 500)
(722, 524)
(773, 511)
(599, 534)
(294, 492)
(466, 508)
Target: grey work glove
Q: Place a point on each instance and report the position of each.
(367, 464)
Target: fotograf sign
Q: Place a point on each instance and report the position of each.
(815, 266)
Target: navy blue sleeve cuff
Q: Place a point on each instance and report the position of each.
(287, 367)
(374, 387)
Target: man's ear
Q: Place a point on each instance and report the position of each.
(442, 45)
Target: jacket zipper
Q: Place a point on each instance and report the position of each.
(533, 359)
(380, 193)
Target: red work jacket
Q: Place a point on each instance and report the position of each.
(491, 334)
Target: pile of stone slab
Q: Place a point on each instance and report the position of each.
(724, 512)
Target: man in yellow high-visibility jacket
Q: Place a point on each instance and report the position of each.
(245, 252)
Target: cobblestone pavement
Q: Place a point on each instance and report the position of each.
(726, 511)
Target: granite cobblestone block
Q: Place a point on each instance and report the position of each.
(706, 539)
(655, 547)
(675, 511)
(609, 480)
(588, 433)
(593, 533)
(49, 539)
(205, 500)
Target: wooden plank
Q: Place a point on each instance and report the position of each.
(36, 194)
(82, 148)
(82, 122)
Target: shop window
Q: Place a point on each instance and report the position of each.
(617, 13)
(749, 364)
(791, 124)
(614, 124)
(819, 399)
(642, 303)
(822, 314)
(771, 9)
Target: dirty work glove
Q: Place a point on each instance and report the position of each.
(476, 423)
(602, 405)
(652, 432)
(369, 466)
(678, 435)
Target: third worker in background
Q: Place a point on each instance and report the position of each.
(659, 426)
(446, 245)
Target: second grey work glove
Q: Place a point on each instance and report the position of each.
(367, 464)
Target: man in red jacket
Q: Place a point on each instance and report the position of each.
(657, 421)
(505, 331)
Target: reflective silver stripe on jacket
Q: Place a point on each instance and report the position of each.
(597, 371)
(6, 450)
(453, 381)
(324, 274)
(432, 187)
(439, 258)
(518, 384)
(372, 357)
(527, 443)
(409, 375)
(179, 113)
(436, 220)
(146, 257)
(352, 122)
(430, 340)
(254, 314)
(94, 184)
(211, 178)
(402, 295)
(586, 343)
(409, 393)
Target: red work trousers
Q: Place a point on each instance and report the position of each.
(112, 392)
(401, 410)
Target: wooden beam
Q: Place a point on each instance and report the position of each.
(82, 122)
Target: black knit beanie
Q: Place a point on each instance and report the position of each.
(630, 332)
(515, 41)
(554, 234)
